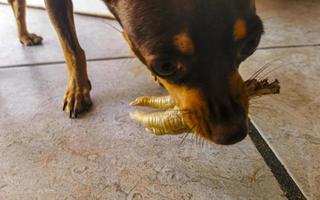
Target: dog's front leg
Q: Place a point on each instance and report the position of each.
(19, 10)
(77, 96)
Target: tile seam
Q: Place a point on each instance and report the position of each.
(44, 64)
(287, 183)
(130, 57)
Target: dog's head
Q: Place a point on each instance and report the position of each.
(194, 48)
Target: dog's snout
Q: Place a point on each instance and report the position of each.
(230, 133)
(229, 122)
(226, 110)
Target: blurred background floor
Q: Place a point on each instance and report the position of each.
(45, 155)
(290, 122)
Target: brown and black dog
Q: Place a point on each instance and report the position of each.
(193, 47)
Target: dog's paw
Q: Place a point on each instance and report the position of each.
(77, 100)
(30, 39)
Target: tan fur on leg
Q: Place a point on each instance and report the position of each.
(26, 38)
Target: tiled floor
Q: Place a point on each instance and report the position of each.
(97, 7)
(106, 156)
(290, 122)
(100, 40)
(290, 22)
(45, 155)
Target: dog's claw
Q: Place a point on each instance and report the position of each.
(64, 105)
(76, 113)
(70, 114)
(77, 101)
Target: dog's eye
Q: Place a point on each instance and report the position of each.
(164, 68)
(248, 48)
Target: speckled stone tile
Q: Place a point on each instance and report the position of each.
(96, 7)
(286, 23)
(97, 37)
(294, 22)
(290, 122)
(104, 155)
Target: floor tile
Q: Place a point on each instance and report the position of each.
(104, 155)
(95, 7)
(290, 122)
(97, 37)
(286, 23)
(294, 22)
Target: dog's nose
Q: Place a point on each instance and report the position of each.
(231, 133)
(229, 122)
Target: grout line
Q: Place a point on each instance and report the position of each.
(289, 46)
(286, 182)
(129, 57)
(62, 62)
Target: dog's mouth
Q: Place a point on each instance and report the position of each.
(224, 133)
(187, 110)
(222, 121)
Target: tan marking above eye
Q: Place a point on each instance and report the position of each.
(239, 29)
(184, 43)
